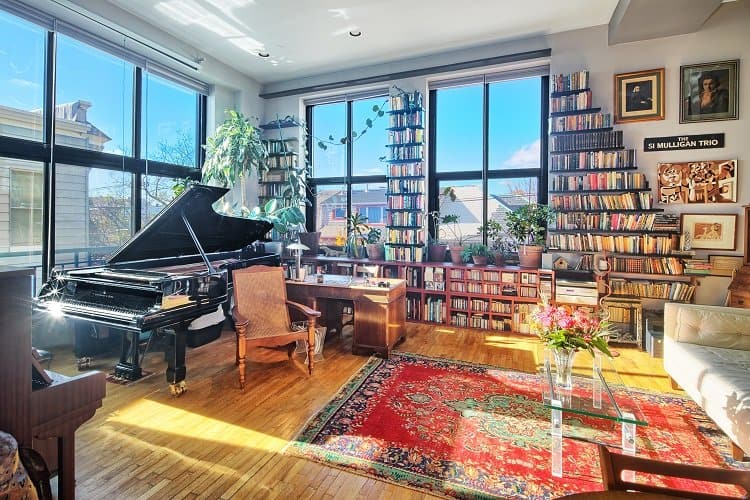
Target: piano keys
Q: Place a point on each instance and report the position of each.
(176, 269)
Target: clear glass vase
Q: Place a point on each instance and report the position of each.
(564, 364)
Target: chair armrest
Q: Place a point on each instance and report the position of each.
(310, 313)
(239, 319)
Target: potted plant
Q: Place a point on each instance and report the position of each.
(501, 244)
(476, 252)
(528, 225)
(357, 235)
(435, 249)
(375, 247)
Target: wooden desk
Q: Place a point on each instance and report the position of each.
(379, 313)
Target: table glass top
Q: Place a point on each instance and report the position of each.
(597, 391)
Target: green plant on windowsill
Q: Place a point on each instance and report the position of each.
(501, 243)
(357, 235)
(477, 253)
(375, 246)
(528, 225)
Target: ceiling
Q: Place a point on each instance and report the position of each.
(311, 37)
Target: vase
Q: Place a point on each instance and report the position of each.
(564, 364)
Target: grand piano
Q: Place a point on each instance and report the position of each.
(176, 269)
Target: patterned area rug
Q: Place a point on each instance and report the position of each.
(473, 431)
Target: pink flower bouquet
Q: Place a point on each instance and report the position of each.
(561, 327)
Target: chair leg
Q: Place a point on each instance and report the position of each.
(310, 345)
(241, 349)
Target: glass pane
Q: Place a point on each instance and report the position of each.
(329, 126)
(93, 214)
(369, 200)
(94, 99)
(330, 216)
(458, 129)
(468, 208)
(505, 195)
(22, 55)
(170, 122)
(369, 144)
(26, 207)
(156, 193)
(515, 124)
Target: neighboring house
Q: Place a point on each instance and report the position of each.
(331, 207)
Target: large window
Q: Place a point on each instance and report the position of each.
(127, 130)
(487, 141)
(348, 175)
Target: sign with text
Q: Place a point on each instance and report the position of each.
(680, 142)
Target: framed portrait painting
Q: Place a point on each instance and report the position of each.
(639, 96)
(710, 91)
(710, 231)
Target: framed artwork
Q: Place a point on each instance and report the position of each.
(710, 91)
(697, 182)
(724, 265)
(710, 231)
(639, 96)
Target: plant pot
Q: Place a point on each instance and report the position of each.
(311, 240)
(456, 252)
(480, 260)
(437, 252)
(530, 256)
(498, 258)
(375, 251)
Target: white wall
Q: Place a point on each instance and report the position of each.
(726, 35)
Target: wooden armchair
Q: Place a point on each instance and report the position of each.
(261, 314)
(613, 465)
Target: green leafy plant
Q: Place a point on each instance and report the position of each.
(374, 235)
(446, 225)
(500, 241)
(474, 249)
(358, 230)
(528, 223)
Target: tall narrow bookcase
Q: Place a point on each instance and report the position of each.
(406, 185)
(281, 142)
(604, 205)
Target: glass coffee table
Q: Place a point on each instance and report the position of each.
(598, 391)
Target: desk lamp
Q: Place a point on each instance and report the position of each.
(297, 248)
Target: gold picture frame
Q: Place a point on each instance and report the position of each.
(639, 96)
(710, 231)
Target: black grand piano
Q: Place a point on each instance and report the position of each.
(176, 269)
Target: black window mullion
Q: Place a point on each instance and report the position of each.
(432, 178)
(485, 154)
(135, 195)
(312, 206)
(349, 111)
(48, 197)
(543, 146)
(200, 153)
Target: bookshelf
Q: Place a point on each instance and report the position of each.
(605, 206)
(282, 155)
(405, 193)
(484, 297)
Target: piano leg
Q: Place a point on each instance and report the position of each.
(176, 370)
(66, 448)
(129, 366)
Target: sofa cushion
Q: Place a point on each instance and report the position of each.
(727, 327)
(717, 379)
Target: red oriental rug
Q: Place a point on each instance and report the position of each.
(473, 431)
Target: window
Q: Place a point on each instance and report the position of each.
(348, 175)
(170, 115)
(156, 193)
(26, 205)
(93, 99)
(22, 53)
(488, 138)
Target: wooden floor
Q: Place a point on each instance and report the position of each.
(219, 442)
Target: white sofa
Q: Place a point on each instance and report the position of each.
(707, 353)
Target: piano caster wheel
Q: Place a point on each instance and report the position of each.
(83, 363)
(177, 389)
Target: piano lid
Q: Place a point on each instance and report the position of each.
(166, 235)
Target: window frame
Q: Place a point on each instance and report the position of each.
(485, 174)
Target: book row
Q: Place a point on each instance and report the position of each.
(475, 321)
(612, 222)
(406, 136)
(406, 186)
(580, 122)
(405, 219)
(406, 153)
(410, 202)
(406, 236)
(283, 162)
(573, 102)
(406, 170)
(651, 265)
(592, 160)
(642, 244)
(406, 101)
(413, 307)
(570, 81)
(624, 201)
(599, 180)
(273, 176)
(412, 254)
(406, 120)
(590, 140)
(271, 190)
(496, 276)
(435, 310)
(669, 291)
(276, 146)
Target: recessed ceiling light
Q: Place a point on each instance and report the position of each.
(263, 54)
(355, 33)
